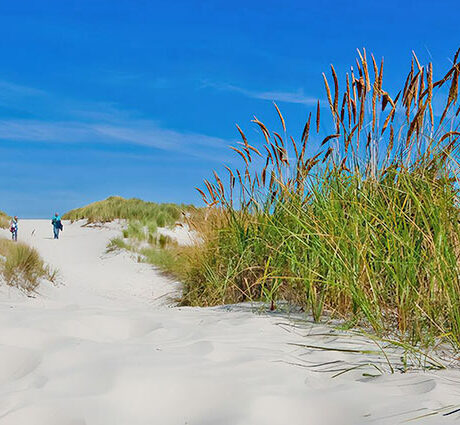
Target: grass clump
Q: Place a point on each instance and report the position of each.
(135, 230)
(22, 266)
(157, 249)
(117, 244)
(4, 220)
(366, 229)
(165, 258)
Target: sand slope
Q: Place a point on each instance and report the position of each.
(106, 347)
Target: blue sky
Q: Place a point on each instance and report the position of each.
(140, 98)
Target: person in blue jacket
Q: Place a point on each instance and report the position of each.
(57, 225)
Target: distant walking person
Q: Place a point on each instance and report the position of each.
(57, 225)
(14, 228)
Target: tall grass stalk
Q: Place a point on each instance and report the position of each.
(366, 228)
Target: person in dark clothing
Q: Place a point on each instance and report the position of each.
(14, 229)
(57, 225)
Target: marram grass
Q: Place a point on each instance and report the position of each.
(366, 229)
(134, 210)
(140, 235)
(22, 266)
(4, 220)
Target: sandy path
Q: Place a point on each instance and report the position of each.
(105, 348)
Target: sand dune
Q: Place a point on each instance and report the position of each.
(106, 346)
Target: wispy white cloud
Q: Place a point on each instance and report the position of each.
(97, 122)
(19, 97)
(42, 131)
(96, 111)
(297, 96)
(144, 133)
(8, 88)
(148, 133)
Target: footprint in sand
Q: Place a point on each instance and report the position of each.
(44, 414)
(419, 386)
(105, 328)
(16, 362)
(200, 348)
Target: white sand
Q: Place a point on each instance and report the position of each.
(105, 347)
(182, 234)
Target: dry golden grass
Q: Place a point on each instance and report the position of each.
(22, 266)
(4, 220)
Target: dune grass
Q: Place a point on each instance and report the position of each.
(117, 244)
(366, 229)
(141, 232)
(156, 249)
(165, 257)
(22, 266)
(135, 210)
(4, 220)
(143, 220)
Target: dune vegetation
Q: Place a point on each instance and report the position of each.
(21, 266)
(150, 245)
(4, 220)
(366, 229)
(116, 207)
(140, 234)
